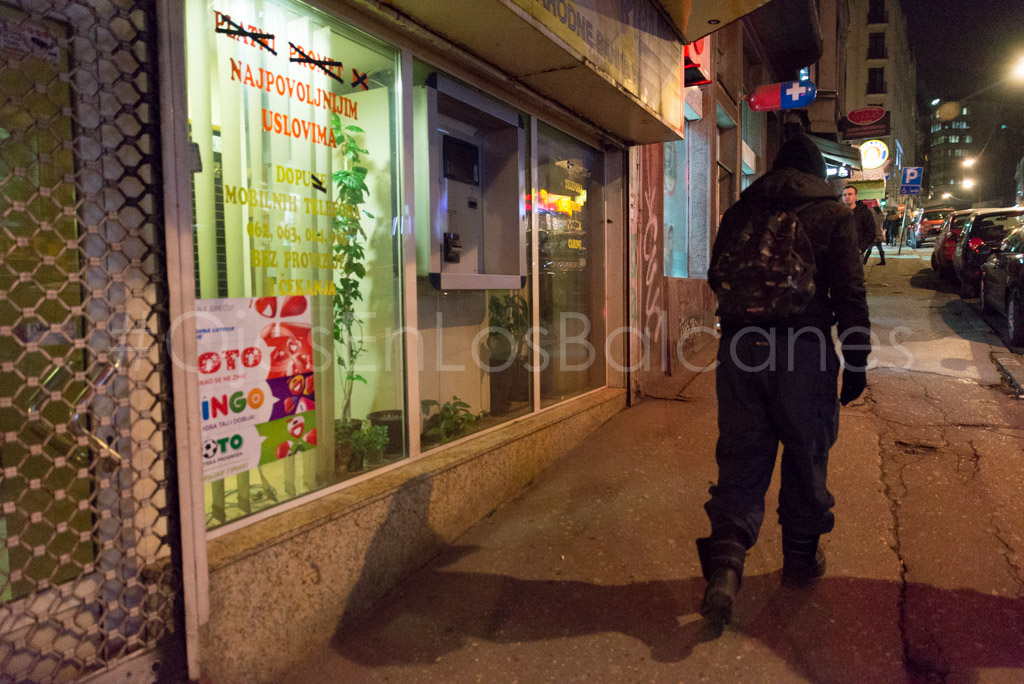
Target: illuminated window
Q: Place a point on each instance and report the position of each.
(298, 159)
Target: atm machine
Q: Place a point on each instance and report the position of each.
(472, 151)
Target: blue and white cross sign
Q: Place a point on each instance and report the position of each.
(910, 181)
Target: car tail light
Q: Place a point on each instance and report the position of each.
(975, 243)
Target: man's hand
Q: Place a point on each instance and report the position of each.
(854, 382)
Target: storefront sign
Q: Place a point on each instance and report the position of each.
(868, 122)
(874, 154)
(776, 96)
(257, 397)
(630, 41)
(697, 67)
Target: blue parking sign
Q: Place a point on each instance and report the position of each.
(912, 175)
(910, 180)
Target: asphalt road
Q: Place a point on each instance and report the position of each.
(590, 575)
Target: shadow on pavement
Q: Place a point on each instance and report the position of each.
(845, 627)
(927, 279)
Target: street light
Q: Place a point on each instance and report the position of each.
(969, 162)
(968, 183)
(1018, 69)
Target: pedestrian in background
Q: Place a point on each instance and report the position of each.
(864, 222)
(879, 237)
(893, 221)
(776, 380)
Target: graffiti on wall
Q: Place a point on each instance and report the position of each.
(652, 169)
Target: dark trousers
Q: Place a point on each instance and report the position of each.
(774, 386)
(867, 252)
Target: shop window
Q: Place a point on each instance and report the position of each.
(474, 335)
(570, 242)
(676, 209)
(292, 122)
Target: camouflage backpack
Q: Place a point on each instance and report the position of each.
(766, 273)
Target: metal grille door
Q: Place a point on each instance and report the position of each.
(87, 518)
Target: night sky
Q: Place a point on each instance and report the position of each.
(962, 46)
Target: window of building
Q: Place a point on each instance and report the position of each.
(876, 12)
(571, 280)
(876, 80)
(954, 138)
(876, 45)
(293, 332)
(676, 208)
(968, 138)
(958, 152)
(964, 111)
(936, 128)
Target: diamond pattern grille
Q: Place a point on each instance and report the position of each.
(86, 519)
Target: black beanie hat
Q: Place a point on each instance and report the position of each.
(802, 154)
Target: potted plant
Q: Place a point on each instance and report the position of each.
(450, 421)
(392, 420)
(508, 318)
(350, 245)
(343, 457)
(367, 446)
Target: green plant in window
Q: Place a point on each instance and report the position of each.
(350, 246)
(369, 441)
(450, 421)
(509, 318)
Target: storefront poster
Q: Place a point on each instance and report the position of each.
(255, 364)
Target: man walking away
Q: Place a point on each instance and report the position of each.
(864, 222)
(776, 379)
(879, 237)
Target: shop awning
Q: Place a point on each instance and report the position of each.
(697, 18)
(837, 153)
(590, 59)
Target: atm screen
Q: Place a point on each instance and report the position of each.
(461, 161)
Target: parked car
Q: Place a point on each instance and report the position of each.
(1002, 284)
(984, 229)
(926, 226)
(945, 242)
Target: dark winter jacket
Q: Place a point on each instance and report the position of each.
(865, 221)
(839, 274)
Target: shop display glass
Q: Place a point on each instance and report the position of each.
(570, 233)
(474, 351)
(292, 124)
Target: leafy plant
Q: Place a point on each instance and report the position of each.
(451, 419)
(369, 440)
(509, 318)
(350, 246)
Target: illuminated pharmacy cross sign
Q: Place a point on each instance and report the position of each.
(795, 90)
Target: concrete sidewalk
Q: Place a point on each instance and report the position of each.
(591, 575)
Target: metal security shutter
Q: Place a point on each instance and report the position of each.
(88, 519)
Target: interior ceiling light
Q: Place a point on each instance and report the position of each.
(714, 22)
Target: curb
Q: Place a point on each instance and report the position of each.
(1011, 367)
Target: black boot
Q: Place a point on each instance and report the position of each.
(803, 562)
(721, 562)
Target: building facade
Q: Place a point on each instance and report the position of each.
(974, 145)
(881, 72)
(291, 296)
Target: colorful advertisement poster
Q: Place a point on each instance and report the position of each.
(255, 364)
